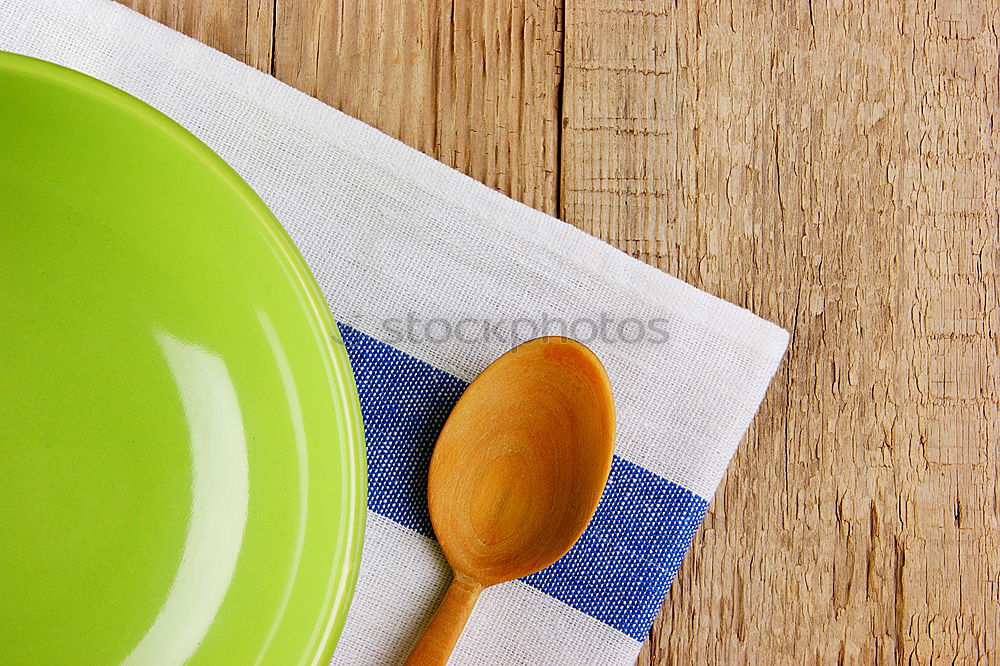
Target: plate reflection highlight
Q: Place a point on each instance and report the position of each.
(219, 499)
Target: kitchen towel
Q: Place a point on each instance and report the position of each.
(432, 275)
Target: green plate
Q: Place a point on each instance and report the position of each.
(181, 452)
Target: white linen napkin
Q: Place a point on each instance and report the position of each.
(431, 276)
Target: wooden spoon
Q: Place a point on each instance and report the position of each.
(516, 474)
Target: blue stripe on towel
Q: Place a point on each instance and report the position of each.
(620, 570)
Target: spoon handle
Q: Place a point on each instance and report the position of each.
(439, 638)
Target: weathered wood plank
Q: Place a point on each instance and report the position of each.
(475, 85)
(834, 168)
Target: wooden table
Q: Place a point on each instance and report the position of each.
(833, 169)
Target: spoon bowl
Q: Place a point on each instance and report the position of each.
(516, 474)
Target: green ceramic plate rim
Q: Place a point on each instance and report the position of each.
(354, 472)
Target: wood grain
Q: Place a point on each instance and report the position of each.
(833, 167)
(475, 85)
(517, 472)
